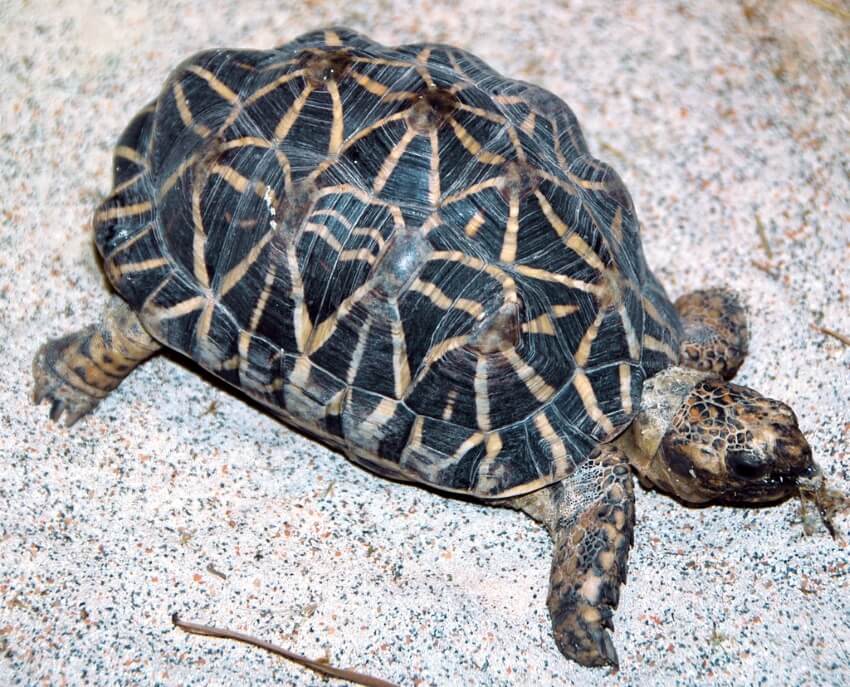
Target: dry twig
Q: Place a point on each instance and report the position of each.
(318, 666)
(843, 338)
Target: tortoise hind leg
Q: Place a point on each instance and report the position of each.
(76, 371)
(715, 336)
(591, 517)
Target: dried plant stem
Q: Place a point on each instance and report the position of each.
(318, 666)
(843, 338)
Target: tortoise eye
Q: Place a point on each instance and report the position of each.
(746, 464)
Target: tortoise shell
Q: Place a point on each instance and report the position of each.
(397, 250)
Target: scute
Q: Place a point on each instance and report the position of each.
(398, 250)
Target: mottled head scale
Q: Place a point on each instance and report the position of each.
(729, 443)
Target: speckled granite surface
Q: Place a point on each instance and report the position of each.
(178, 496)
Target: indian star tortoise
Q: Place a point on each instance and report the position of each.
(417, 261)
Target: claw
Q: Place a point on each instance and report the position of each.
(38, 393)
(56, 410)
(50, 385)
(606, 649)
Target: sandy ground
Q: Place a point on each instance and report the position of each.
(176, 495)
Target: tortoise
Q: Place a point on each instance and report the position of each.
(418, 262)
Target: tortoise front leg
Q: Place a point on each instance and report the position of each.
(590, 516)
(715, 336)
(76, 371)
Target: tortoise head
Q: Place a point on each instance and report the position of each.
(727, 443)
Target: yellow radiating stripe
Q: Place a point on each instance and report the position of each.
(509, 100)
(583, 351)
(552, 217)
(494, 448)
(122, 211)
(529, 123)
(361, 254)
(180, 309)
(470, 443)
(436, 295)
(286, 122)
(372, 233)
(359, 348)
(182, 105)
(617, 225)
(578, 245)
(434, 169)
(278, 65)
(273, 86)
(555, 443)
(236, 273)
(132, 181)
(466, 139)
(484, 114)
(575, 242)
(544, 275)
(202, 329)
(322, 332)
(535, 384)
(631, 336)
(374, 87)
(300, 315)
(401, 369)
(199, 237)
(652, 311)
(495, 182)
(231, 176)
(509, 244)
(324, 233)
(130, 154)
(245, 141)
(335, 214)
(143, 266)
(121, 247)
(332, 38)
(588, 398)
(587, 184)
(539, 325)
(556, 141)
(626, 388)
(474, 224)
(482, 396)
(264, 297)
(654, 344)
(439, 350)
(219, 87)
(337, 120)
(517, 144)
(563, 310)
(177, 173)
(422, 70)
(392, 160)
(451, 398)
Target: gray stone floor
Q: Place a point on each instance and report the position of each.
(176, 495)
